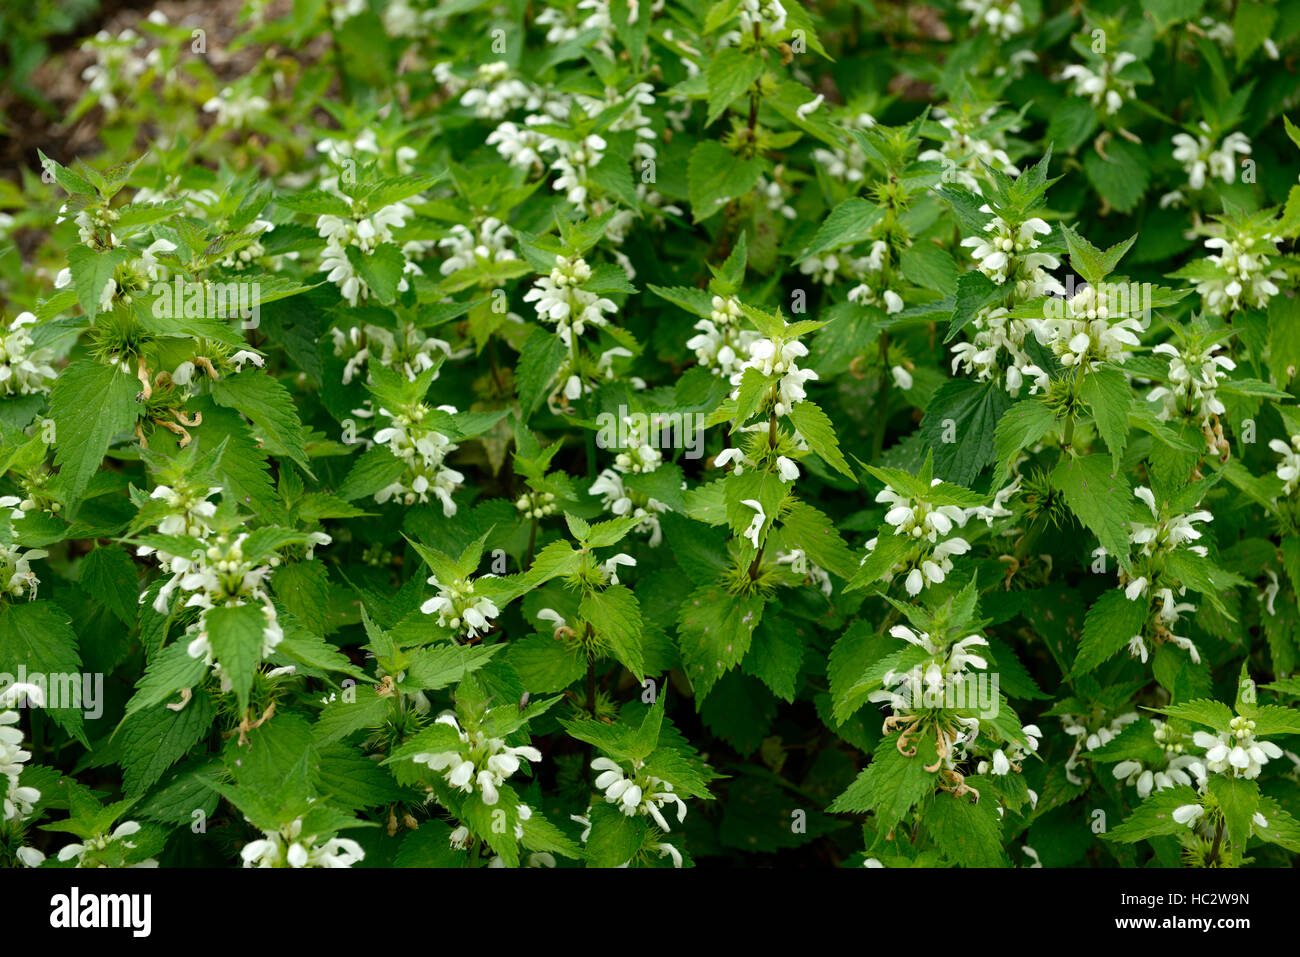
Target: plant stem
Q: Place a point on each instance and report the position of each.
(532, 544)
(882, 400)
(1218, 838)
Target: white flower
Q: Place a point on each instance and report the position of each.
(610, 566)
(756, 523)
(560, 298)
(101, 842)
(1168, 533)
(1199, 157)
(1241, 272)
(639, 794)
(966, 149)
(25, 369)
(481, 761)
(1188, 814)
(364, 233)
(1103, 86)
(1194, 376)
(19, 800)
(235, 108)
(16, 574)
(777, 357)
(1288, 470)
(1236, 752)
(997, 351)
(459, 609)
(617, 499)
(289, 847)
(1007, 255)
(469, 248)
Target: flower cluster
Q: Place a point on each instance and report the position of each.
(905, 691)
(19, 800)
(1240, 273)
(777, 357)
(407, 349)
(362, 232)
(289, 847)
(24, 367)
(459, 609)
(1083, 333)
(482, 762)
(930, 530)
(1007, 255)
(16, 568)
(640, 793)
(1086, 740)
(1103, 85)
(1002, 18)
(617, 498)
(467, 248)
(560, 298)
(723, 342)
(965, 152)
(996, 351)
(424, 450)
(1179, 768)
(1236, 752)
(1288, 470)
(1199, 157)
(106, 850)
(1194, 377)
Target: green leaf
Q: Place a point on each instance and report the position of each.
(1214, 714)
(889, 550)
(717, 176)
(546, 665)
(1252, 24)
(974, 291)
(1111, 622)
(111, 578)
(154, 740)
(235, 633)
(432, 669)
(1122, 177)
(270, 407)
(614, 836)
(890, 786)
(542, 355)
(38, 636)
(968, 832)
(1089, 261)
(815, 427)
(91, 272)
(1100, 497)
(959, 426)
(1109, 396)
(1023, 425)
(1238, 800)
(169, 671)
(732, 71)
(852, 221)
(714, 630)
(616, 616)
(90, 404)
(358, 708)
(374, 469)
(1154, 817)
(805, 528)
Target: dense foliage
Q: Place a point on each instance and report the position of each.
(655, 433)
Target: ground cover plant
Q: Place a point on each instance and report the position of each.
(657, 434)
